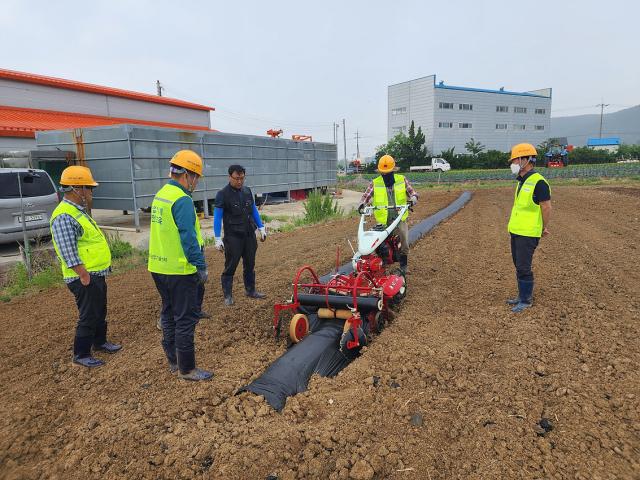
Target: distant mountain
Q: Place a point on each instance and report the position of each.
(624, 124)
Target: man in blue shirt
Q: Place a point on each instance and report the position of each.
(177, 264)
(237, 212)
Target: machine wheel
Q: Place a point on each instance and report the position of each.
(347, 336)
(380, 321)
(395, 301)
(298, 327)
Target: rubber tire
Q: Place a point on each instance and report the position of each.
(298, 327)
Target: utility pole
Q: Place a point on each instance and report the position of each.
(357, 145)
(159, 88)
(344, 138)
(602, 105)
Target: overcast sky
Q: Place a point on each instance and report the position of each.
(300, 66)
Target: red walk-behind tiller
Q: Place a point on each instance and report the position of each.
(362, 298)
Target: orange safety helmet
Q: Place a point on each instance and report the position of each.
(522, 150)
(189, 160)
(77, 176)
(386, 164)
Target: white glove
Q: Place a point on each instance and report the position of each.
(413, 200)
(263, 233)
(219, 245)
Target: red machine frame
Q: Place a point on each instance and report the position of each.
(369, 280)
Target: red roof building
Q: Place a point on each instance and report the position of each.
(29, 103)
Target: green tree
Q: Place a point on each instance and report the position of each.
(544, 147)
(473, 147)
(407, 150)
(448, 154)
(397, 147)
(418, 154)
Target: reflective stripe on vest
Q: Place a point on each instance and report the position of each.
(526, 215)
(93, 248)
(381, 199)
(166, 255)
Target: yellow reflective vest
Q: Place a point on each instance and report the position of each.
(381, 199)
(93, 248)
(526, 215)
(166, 255)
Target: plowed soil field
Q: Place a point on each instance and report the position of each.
(456, 387)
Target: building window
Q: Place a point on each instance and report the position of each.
(520, 109)
(446, 106)
(465, 106)
(541, 111)
(445, 124)
(519, 126)
(501, 126)
(399, 129)
(502, 109)
(539, 127)
(398, 111)
(464, 125)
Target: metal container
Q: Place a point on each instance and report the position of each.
(131, 162)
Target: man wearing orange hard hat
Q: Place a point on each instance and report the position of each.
(390, 189)
(529, 221)
(177, 263)
(85, 259)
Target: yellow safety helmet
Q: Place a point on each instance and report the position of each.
(77, 175)
(386, 164)
(522, 150)
(189, 160)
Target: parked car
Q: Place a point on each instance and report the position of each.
(39, 199)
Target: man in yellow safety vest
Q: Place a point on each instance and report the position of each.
(390, 189)
(530, 216)
(85, 259)
(177, 263)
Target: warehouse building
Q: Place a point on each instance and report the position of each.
(31, 103)
(450, 116)
(609, 144)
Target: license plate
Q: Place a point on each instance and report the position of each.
(30, 218)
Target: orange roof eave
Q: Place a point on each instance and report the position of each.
(91, 88)
(24, 122)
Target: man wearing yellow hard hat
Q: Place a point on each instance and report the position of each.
(529, 221)
(389, 189)
(85, 259)
(177, 263)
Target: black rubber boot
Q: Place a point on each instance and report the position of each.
(514, 300)
(525, 288)
(250, 286)
(403, 264)
(227, 289)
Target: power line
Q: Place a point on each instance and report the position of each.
(249, 117)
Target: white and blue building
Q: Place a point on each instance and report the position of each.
(610, 144)
(450, 115)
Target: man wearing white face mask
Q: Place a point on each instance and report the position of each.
(530, 216)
